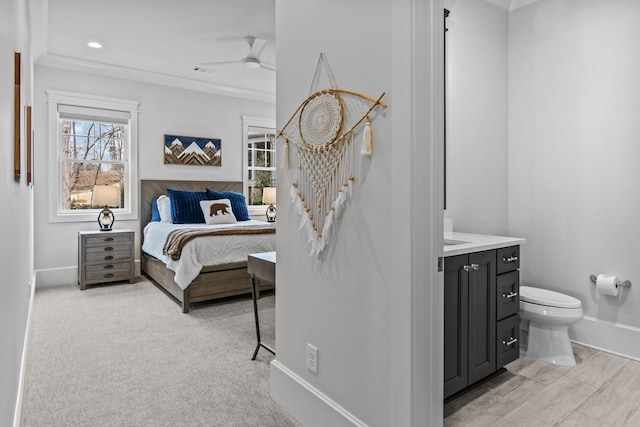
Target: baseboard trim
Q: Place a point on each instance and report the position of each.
(56, 276)
(611, 337)
(306, 403)
(17, 413)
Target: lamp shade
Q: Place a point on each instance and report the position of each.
(269, 195)
(105, 195)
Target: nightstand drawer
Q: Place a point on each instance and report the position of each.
(104, 272)
(100, 254)
(107, 240)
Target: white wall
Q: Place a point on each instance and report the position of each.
(16, 232)
(574, 151)
(163, 110)
(477, 143)
(355, 302)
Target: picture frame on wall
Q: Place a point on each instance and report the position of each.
(190, 150)
(16, 115)
(29, 145)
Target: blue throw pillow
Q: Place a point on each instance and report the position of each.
(185, 206)
(155, 213)
(238, 202)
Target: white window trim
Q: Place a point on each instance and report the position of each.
(247, 122)
(56, 213)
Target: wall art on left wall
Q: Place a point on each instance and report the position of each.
(17, 108)
(29, 141)
(189, 150)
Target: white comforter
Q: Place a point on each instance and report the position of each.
(205, 250)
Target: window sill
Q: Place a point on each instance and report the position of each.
(90, 216)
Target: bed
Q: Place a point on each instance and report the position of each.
(215, 280)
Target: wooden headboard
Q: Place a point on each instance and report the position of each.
(152, 188)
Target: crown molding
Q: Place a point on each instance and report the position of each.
(501, 4)
(109, 70)
(517, 4)
(510, 5)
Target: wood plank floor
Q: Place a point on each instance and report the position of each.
(601, 390)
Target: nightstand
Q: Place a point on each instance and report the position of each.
(105, 256)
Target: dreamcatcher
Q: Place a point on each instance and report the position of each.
(320, 133)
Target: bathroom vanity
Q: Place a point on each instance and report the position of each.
(481, 282)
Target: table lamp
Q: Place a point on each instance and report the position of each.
(269, 196)
(107, 195)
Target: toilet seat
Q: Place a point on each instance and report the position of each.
(548, 298)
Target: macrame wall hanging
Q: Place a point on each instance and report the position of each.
(320, 134)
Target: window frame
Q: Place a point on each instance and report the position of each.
(54, 100)
(249, 122)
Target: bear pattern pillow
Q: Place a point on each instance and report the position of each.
(238, 202)
(217, 211)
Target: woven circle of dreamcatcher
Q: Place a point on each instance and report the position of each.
(321, 119)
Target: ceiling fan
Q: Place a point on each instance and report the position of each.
(252, 60)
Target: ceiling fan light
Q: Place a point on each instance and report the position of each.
(250, 62)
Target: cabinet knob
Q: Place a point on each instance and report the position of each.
(108, 266)
(108, 248)
(511, 341)
(108, 257)
(466, 267)
(108, 239)
(510, 295)
(475, 266)
(108, 275)
(510, 259)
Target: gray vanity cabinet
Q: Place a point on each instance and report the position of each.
(470, 319)
(508, 304)
(480, 315)
(456, 324)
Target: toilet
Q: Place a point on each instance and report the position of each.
(548, 315)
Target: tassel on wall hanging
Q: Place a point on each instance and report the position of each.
(320, 136)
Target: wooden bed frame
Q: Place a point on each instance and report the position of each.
(213, 282)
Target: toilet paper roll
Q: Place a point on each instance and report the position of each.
(606, 284)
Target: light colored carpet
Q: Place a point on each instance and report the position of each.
(125, 355)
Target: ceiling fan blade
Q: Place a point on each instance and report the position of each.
(208, 64)
(257, 46)
(267, 66)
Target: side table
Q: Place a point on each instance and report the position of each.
(105, 256)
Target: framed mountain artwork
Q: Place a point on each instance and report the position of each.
(190, 150)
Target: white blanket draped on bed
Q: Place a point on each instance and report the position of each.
(205, 250)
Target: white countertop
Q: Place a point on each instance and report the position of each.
(464, 243)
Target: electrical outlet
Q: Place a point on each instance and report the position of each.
(312, 358)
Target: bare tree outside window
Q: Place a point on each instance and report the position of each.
(92, 153)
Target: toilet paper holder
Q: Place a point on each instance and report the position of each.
(619, 283)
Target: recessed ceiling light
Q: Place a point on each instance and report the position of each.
(94, 45)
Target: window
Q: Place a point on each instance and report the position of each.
(260, 161)
(95, 145)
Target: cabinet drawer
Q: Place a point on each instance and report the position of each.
(102, 253)
(508, 259)
(508, 294)
(113, 239)
(107, 272)
(507, 340)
